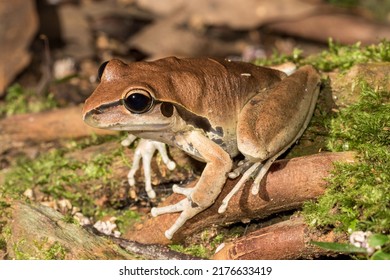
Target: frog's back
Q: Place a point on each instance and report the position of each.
(205, 84)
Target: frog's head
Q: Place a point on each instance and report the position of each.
(124, 102)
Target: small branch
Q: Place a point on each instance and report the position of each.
(152, 251)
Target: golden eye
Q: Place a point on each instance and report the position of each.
(138, 101)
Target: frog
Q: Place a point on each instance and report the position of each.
(215, 110)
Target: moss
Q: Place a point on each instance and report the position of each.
(20, 100)
(344, 57)
(3, 244)
(59, 177)
(55, 252)
(203, 245)
(195, 250)
(126, 219)
(39, 249)
(337, 56)
(358, 194)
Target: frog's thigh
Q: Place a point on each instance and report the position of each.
(214, 175)
(273, 120)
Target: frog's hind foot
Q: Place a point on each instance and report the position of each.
(241, 168)
(245, 177)
(249, 170)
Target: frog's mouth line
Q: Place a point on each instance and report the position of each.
(91, 120)
(138, 128)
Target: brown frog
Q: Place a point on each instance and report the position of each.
(211, 109)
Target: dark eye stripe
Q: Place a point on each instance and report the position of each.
(103, 107)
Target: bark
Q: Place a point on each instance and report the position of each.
(37, 229)
(288, 184)
(285, 240)
(152, 251)
(25, 129)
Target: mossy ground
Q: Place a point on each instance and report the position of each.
(358, 194)
(56, 176)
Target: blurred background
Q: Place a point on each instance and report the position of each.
(57, 46)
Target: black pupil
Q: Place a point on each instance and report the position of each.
(138, 102)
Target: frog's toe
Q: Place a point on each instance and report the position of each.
(131, 179)
(145, 150)
(171, 165)
(184, 191)
(245, 177)
(128, 140)
(151, 193)
(178, 207)
(187, 213)
(242, 167)
(184, 206)
(261, 173)
(162, 149)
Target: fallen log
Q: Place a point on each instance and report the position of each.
(285, 240)
(20, 130)
(288, 184)
(40, 232)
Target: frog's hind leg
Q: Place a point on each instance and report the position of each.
(272, 121)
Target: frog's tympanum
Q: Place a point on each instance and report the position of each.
(211, 109)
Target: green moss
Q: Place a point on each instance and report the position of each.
(194, 250)
(3, 244)
(126, 219)
(358, 194)
(204, 247)
(19, 253)
(55, 252)
(19, 100)
(60, 177)
(39, 249)
(337, 56)
(344, 57)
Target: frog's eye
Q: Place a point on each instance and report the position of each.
(138, 101)
(101, 70)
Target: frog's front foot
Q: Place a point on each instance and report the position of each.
(185, 206)
(145, 151)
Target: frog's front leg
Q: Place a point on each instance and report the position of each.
(271, 122)
(209, 186)
(145, 151)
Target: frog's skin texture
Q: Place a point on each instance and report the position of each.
(212, 110)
